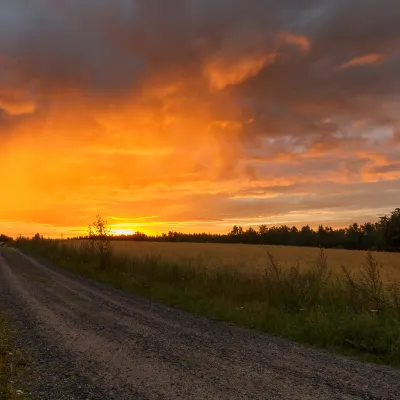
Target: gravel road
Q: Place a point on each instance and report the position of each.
(89, 341)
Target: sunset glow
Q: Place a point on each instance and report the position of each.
(184, 116)
(116, 231)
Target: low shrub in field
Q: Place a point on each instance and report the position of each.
(357, 313)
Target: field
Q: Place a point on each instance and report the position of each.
(302, 294)
(253, 258)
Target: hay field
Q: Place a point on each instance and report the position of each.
(253, 257)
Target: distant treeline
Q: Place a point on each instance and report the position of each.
(383, 235)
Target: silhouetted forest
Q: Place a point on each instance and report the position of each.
(383, 235)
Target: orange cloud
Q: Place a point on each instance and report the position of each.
(223, 72)
(368, 59)
(16, 103)
(300, 41)
(235, 64)
(16, 92)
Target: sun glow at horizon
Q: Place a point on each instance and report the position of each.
(125, 232)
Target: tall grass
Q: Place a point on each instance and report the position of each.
(357, 314)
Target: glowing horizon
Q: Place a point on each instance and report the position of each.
(209, 122)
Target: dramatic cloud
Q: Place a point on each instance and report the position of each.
(298, 40)
(222, 71)
(364, 60)
(197, 114)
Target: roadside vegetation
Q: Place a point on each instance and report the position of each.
(5, 240)
(355, 312)
(13, 364)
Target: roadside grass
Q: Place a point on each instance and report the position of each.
(357, 314)
(13, 364)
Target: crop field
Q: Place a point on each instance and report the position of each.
(253, 258)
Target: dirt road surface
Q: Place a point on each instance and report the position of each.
(88, 341)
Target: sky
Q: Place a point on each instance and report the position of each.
(196, 115)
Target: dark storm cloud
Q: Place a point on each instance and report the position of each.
(98, 43)
(61, 45)
(102, 48)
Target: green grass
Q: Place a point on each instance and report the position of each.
(13, 365)
(358, 315)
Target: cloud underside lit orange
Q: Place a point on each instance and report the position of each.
(202, 127)
(363, 60)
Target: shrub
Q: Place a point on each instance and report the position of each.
(99, 235)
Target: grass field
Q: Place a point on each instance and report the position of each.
(298, 293)
(253, 258)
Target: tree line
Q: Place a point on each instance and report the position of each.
(383, 235)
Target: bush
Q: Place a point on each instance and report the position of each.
(99, 235)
